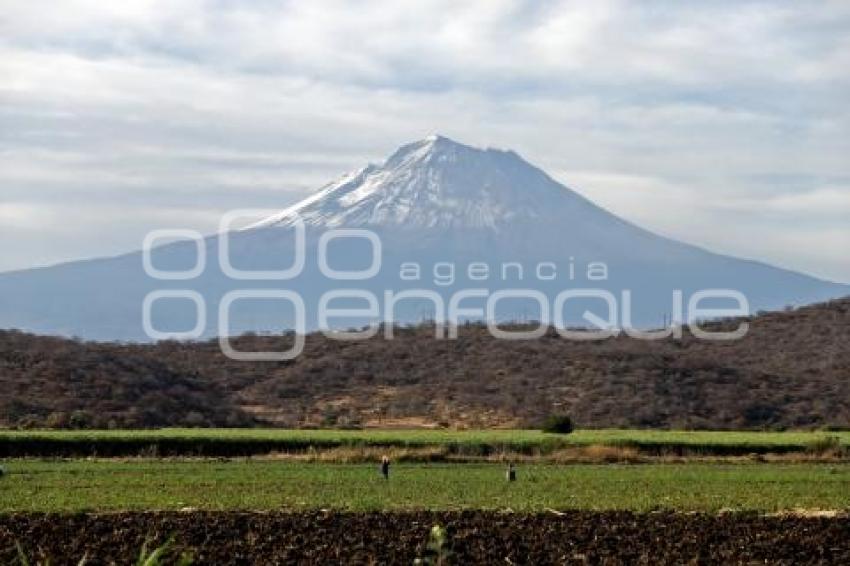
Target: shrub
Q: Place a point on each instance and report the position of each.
(825, 446)
(57, 419)
(79, 419)
(194, 419)
(558, 424)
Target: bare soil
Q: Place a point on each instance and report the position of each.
(398, 538)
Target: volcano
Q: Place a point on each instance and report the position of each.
(444, 218)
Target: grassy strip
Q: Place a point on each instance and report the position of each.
(241, 442)
(81, 485)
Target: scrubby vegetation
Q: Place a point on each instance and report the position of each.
(790, 371)
(558, 424)
(422, 444)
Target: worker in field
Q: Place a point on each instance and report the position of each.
(385, 467)
(510, 473)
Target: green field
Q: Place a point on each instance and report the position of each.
(239, 483)
(76, 485)
(247, 441)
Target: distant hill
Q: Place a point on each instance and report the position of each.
(791, 370)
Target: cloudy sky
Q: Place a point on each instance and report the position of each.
(724, 125)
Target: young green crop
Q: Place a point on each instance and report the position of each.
(80, 485)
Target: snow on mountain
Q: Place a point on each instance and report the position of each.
(435, 183)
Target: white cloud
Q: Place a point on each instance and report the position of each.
(714, 110)
(800, 230)
(825, 202)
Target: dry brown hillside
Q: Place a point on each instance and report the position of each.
(791, 370)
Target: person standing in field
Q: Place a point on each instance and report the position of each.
(385, 467)
(510, 473)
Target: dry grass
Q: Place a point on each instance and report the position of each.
(362, 454)
(593, 454)
(596, 454)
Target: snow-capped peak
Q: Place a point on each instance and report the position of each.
(431, 147)
(434, 183)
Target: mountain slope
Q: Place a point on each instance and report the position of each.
(789, 371)
(435, 203)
